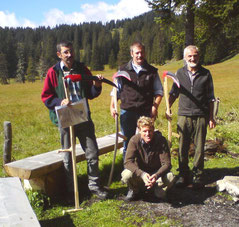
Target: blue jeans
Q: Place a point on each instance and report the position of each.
(128, 124)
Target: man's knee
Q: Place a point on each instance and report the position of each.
(166, 181)
(126, 175)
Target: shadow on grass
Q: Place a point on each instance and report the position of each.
(59, 222)
(84, 193)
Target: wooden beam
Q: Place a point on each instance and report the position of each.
(7, 148)
(45, 163)
(15, 208)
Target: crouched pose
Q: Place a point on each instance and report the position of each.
(147, 162)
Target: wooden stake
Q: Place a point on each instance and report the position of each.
(7, 148)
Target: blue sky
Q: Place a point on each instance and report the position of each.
(34, 13)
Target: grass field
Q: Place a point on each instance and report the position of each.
(33, 133)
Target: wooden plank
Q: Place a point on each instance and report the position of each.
(42, 164)
(15, 209)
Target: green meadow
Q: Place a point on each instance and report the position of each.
(33, 133)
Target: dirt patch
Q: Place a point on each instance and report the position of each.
(188, 207)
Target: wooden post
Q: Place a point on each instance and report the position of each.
(7, 147)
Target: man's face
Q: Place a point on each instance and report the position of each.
(138, 55)
(146, 133)
(66, 55)
(192, 58)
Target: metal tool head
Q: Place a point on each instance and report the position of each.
(79, 77)
(122, 74)
(172, 76)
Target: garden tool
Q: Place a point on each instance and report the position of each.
(167, 74)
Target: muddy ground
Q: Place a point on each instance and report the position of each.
(188, 207)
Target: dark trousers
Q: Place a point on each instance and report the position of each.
(128, 124)
(85, 132)
(191, 129)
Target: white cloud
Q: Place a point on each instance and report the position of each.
(8, 19)
(100, 11)
(97, 12)
(55, 17)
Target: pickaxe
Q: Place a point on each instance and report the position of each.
(167, 74)
(115, 76)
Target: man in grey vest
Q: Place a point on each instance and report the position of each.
(195, 112)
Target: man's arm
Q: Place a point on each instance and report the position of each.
(212, 122)
(157, 101)
(48, 95)
(165, 159)
(130, 158)
(158, 94)
(211, 98)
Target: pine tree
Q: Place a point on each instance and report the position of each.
(124, 54)
(95, 60)
(112, 60)
(76, 45)
(42, 67)
(3, 69)
(20, 74)
(31, 72)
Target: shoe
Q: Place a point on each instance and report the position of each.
(70, 198)
(181, 182)
(197, 182)
(99, 193)
(131, 196)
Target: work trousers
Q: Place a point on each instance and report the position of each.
(135, 183)
(191, 129)
(85, 132)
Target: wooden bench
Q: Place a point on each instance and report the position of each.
(15, 209)
(45, 171)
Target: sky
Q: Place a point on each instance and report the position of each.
(35, 13)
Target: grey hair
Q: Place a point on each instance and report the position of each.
(190, 47)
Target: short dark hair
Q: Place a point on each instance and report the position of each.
(63, 44)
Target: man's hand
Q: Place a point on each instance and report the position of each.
(168, 116)
(149, 181)
(212, 124)
(65, 102)
(113, 112)
(98, 83)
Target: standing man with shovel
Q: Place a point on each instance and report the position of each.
(53, 95)
(195, 112)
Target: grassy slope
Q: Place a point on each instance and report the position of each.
(33, 133)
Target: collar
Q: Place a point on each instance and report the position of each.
(137, 68)
(64, 68)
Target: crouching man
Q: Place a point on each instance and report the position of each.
(147, 163)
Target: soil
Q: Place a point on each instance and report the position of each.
(188, 207)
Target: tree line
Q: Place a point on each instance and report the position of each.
(27, 53)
